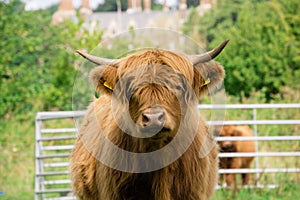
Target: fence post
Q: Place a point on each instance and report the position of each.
(38, 163)
(256, 144)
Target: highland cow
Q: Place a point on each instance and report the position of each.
(142, 138)
(236, 146)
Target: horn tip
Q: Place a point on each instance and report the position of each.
(81, 52)
(225, 42)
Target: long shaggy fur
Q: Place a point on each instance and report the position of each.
(189, 177)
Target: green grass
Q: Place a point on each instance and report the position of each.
(17, 196)
(17, 159)
(286, 191)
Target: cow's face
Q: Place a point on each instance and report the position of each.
(152, 94)
(228, 146)
(156, 97)
(152, 90)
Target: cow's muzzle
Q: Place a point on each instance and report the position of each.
(153, 119)
(228, 147)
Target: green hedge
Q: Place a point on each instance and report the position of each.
(38, 61)
(263, 53)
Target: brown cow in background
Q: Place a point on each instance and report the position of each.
(236, 146)
(148, 102)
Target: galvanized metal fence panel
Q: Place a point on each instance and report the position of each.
(254, 122)
(53, 147)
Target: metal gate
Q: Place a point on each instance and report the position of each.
(255, 122)
(56, 133)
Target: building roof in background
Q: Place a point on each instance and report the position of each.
(115, 22)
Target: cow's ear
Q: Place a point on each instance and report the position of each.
(104, 78)
(105, 75)
(208, 76)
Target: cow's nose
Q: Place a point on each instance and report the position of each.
(153, 117)
(227, 144)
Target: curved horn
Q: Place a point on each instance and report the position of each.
(95, 59)
(205, 57)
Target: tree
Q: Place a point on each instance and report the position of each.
(37, 59)
(263, 53)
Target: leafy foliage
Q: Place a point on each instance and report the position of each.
(37, 63)
(263, 54)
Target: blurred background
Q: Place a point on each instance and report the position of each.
(38, 64)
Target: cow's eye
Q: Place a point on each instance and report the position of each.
(128, 90)
(183, 85)
(179, 88)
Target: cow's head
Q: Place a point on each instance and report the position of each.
(228, 131)
(154, 89)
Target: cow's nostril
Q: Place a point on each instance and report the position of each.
(145, 119)
(161, 117)
(153, 118)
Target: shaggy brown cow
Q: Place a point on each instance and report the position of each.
(236, 146)
(142, 138)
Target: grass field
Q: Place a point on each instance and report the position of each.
(287, 191)
(17, 160)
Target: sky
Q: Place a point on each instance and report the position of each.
(42, 4)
